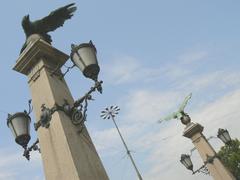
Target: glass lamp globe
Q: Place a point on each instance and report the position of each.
(19, 124)
(186, 161)
(223, 134)
(84, 56)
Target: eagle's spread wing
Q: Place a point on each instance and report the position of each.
(55, 19)
(169, 117)
(183, 105)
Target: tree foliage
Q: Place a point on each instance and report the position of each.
(230, 157)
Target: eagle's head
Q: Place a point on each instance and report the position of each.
(25, 20)
(26, 23)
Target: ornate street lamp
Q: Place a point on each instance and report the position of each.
(19, 124)
(84, 57)
(186, 161)
(223, 134)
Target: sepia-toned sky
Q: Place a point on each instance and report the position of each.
(152, 54)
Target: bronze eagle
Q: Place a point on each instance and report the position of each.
(49, 23)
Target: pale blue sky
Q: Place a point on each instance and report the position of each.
(152, 54)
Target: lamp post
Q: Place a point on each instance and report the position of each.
(187, 162)
(212, 163)
(193, 131)
(66, 148)
(223, 135)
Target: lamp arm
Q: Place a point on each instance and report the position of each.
(73, 112)
(34, 147)
(97, 86)
(60, 75)
(30, 107)
(203, 169)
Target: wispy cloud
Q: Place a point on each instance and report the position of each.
(13, 163)
(128, 69)
(193, 56)
(219, 114)
(122, 70)
(162, 144)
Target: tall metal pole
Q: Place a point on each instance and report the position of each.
(111, 112)
(128, 152)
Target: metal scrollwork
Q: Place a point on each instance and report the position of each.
(34, 147)
(77, 112)
(205, 171)
(77, 117)
(45, 117)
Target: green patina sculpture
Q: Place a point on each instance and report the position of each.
(180, 114)
(49, 23)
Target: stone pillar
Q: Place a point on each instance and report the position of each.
(66, 153)
(216, 168)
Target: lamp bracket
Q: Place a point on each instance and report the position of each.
(30, 108)
(203, 169)
(33, 147)
(77, 112)
(61, 75)
(210, 159)
(56, 71)
(97, 86)
(45, 117)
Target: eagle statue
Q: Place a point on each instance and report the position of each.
(49, 23)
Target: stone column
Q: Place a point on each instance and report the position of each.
(216, 168)
(66, 153)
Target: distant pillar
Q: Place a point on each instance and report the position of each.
(216, 168)
(66, 153)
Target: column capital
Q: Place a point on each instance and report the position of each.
(192, 129)
(34, 52)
